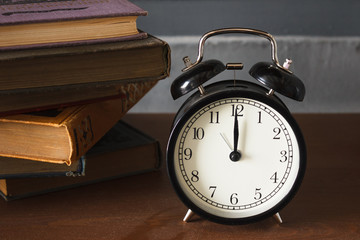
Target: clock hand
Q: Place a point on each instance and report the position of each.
(236, 132)
(235, 155)
(226, 141)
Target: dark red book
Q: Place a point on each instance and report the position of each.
(32, 23)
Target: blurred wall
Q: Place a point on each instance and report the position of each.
(321, 37)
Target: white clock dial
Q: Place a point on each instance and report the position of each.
(251, 185)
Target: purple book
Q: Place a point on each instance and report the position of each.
(20, 12)
(30, 11)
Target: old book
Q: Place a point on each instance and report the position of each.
(22, 168)
(41, 99)
(26, 24)
(63, 135)
(123, 151)
(85, 65)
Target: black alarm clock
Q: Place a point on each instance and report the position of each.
(235, 153)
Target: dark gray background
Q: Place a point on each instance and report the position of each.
(321, 37)
(280, 17)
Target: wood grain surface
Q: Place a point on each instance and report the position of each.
(146, 207)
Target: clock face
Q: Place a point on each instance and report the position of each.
(257, 182)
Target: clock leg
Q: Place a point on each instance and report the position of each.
(278, 218)
(188, 215)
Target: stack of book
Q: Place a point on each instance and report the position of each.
(69, 71)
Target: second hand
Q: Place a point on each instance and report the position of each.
(226, 141)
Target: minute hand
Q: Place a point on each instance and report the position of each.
(236, 132)
(235, 154)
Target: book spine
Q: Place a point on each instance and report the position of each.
(39, 11)
(94, 120)
(140, 35)
(79, 172)
(147, 58)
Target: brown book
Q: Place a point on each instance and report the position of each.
(64, 135)
(25, 24)
(45, 78)
(41, 99)
(123, 151)
(22, 168)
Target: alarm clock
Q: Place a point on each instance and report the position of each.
(235, 154)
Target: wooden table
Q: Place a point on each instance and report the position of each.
(146, 207)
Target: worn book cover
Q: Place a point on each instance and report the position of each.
(86, 65)
(23, 168)
(123, 151)
(25, 24)
(64, 135)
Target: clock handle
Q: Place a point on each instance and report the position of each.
(256, 32)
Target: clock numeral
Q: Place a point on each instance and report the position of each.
(188, 153)
(214, 117)
(238, 108)
(274, 177)
(283, 155)
(258, 194)
(213, 189)
(260, 117)
(195, 176)
(198, 133)
(233, 199)
(277, 132)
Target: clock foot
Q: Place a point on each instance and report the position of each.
(188, 215)
(278, 218)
